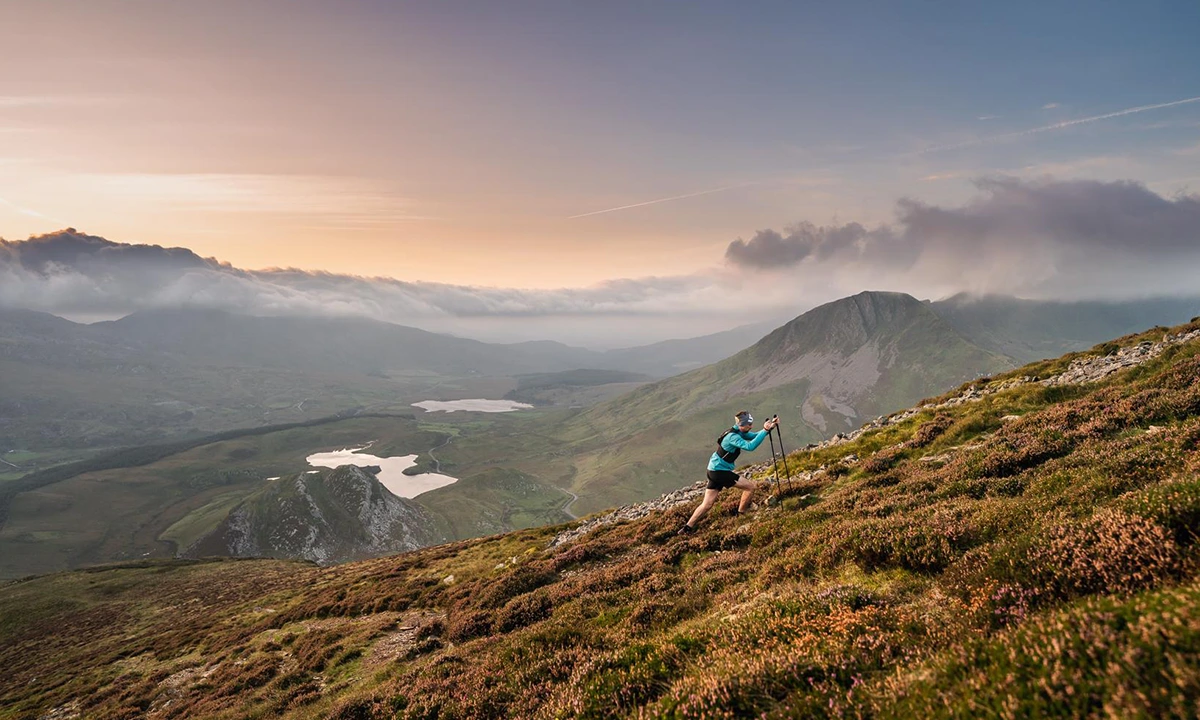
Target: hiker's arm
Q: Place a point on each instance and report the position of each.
(738, 441)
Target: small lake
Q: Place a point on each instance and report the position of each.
(477, 405)
(391, 474)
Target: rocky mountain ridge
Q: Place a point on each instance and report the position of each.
(323, 517)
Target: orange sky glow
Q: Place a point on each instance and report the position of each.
(487, 147)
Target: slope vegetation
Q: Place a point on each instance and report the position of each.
(1025, 546)
(826, 372)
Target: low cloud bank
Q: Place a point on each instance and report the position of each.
(1049, 240)
(74, 274)
(1054, 239)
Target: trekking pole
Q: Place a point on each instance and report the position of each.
(774, 461)
(786, 472)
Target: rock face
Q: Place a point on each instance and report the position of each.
(1092, 368)
(326, 517)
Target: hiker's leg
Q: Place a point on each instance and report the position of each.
(747, 487)
(710, 497)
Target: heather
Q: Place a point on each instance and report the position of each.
(1030, 553)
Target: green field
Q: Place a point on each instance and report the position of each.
(19, 463)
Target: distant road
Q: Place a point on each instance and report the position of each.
(567, 505)
(437, 465)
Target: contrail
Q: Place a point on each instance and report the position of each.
(26, 211)
(1058, 125)
(661, 200)
(935, 148)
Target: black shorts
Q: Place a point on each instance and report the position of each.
(721, 479)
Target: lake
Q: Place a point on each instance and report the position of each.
(476, 405)
(391, 474)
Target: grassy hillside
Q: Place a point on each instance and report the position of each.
(825, 372)
(1013, 549)
(127, 510)
(574, 388)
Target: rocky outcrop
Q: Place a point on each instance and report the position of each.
(326, 517)
(1093, 368)
(626, 513)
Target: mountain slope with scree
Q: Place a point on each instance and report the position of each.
(827, 371)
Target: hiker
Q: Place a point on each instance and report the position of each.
(720, 466)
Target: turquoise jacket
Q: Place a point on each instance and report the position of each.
(736, 439)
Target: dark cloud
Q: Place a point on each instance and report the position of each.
(1080, 213)
(1066, 238)
(72, 249)
(770, 249)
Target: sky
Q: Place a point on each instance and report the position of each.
(726, 160)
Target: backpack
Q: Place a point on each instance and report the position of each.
(728, 455)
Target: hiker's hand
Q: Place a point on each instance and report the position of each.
(770, 425)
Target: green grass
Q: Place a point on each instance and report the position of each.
(201, 521)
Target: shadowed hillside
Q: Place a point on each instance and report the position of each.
(1023, 546)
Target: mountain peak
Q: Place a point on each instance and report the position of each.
(849, 322)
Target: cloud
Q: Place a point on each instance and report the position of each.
(72, 273)
(770, 249)
(1048, 238)
(1050, 106)
(1033, 238)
